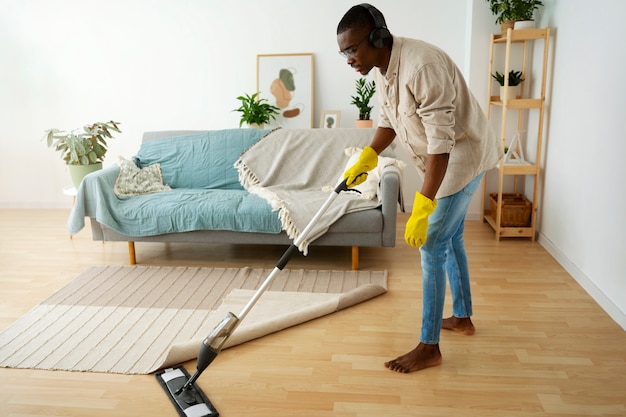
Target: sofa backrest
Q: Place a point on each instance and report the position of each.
(197, 160)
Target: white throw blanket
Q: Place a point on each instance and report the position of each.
(294, 168)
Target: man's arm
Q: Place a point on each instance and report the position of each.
(382, 138)
(436, 167)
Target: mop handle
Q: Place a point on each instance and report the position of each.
(293, 248)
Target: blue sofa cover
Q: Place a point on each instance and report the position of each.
(205, 195)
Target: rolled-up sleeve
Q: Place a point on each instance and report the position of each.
(435, 95)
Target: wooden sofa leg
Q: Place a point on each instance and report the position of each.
(131, 253)
(355, 258)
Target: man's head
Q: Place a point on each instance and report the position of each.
(363, 38)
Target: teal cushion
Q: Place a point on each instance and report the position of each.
(201, 161)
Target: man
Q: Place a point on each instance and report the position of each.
(426, 104)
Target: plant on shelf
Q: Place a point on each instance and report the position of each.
(83, 151)
(525, 9)
(515, 78)
(513, 10)
(256, 111)
(364, 93)
(501, 9)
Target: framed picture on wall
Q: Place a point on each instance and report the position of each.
(330, 119)
(286, 81)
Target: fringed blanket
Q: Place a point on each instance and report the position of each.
(293, 169)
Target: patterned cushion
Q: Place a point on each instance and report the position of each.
(133, 180)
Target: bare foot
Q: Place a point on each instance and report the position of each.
(459, 325)
(423, 356)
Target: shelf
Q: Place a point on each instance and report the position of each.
(520, 169)
(509, 231)
(523, 107)
(518, 103)
(522, 35)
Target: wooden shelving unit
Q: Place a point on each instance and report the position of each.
(523, 105)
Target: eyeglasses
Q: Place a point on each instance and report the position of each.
(351, 52)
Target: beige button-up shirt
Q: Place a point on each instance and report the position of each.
(425, 100)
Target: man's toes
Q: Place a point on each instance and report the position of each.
(395, 366)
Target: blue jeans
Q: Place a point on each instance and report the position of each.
(444, 252)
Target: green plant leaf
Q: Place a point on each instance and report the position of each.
(93, 157)
(515, 78)
(364, 93)
(82, 147)
(256, 110)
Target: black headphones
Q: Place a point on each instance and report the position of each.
(380, 35)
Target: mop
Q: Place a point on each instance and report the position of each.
(186, 396)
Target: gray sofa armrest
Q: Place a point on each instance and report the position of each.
(389, 194)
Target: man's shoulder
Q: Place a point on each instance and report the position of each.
(421, 52)
(410, 44)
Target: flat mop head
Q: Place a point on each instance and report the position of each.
(191, 402)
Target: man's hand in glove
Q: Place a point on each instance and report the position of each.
(357, 174)
(417, 225)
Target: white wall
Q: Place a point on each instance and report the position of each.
(179, 64)
(166, 64)
(584, 199)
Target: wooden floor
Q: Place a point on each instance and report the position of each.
(543, 347)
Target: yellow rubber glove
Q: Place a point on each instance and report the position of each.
(357, 174)
(417, 225)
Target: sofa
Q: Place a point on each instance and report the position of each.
(194, 192)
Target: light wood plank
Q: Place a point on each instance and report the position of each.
(543, 347)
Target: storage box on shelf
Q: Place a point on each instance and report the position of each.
(516, 209)
(499, 206)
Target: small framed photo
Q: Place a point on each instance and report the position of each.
(330, 119)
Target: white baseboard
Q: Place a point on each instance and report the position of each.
(607, 305)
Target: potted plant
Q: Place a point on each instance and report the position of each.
(83, 151)
(507, 12)
(364, 93)
(256, 111)
(524, 13)
(515, 79)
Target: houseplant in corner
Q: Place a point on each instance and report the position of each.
(524, 12)
(364, 93)
(515, 79)
(256, 111)
(508, 12)
(83, 151)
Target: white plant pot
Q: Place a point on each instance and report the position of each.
(524, 24)
(511, 92)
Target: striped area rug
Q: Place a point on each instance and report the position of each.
(136, 319)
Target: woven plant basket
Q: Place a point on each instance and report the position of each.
(506, 25)
(516, 209)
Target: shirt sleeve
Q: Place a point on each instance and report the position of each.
(435, 93)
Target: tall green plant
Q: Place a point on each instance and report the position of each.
(86, 147)
(364, 93)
